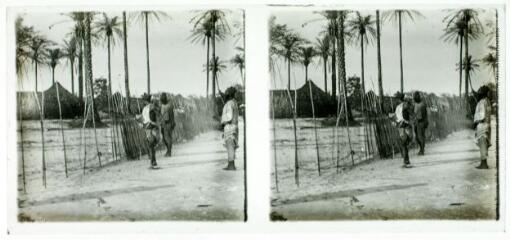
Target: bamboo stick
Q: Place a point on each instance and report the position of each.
(274, 143)
(62, 128)
(112, 143)
(85, 119)
(40, 106)
(315, 128)
(94, 123)
(22, 143)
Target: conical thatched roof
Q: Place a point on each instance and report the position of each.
(323, 102)
(70, 104)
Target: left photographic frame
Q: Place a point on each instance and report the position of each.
(129, 115)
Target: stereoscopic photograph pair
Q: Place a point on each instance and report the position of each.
(375, 114)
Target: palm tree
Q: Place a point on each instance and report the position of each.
(343, 34)
(126, 65)
(238, 61)
(398, 16)
(331, 16)
(217, 19)
(455, 33)
(470, 65)
(109, 30)
(79, 34)
(323, 46)
(473, 29)
(307, 54)
(24, 35)
(362, 31)
(145, 17)
(70, 51)
(491, 61)
(217, 66)
(87, 30)
(38, 53)
(203, 34)
(54, 58)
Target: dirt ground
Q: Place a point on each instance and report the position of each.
(190, 186)
(443, 184)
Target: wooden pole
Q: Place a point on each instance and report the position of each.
(62, 128)
(21, 143)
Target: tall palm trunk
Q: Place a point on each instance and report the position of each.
(80, 69)
(379, 64)
(112, 134)
(460, 68)
(314, 120)
(52, 76)
(333, 68)
(126, 65)
(363, 94)
(36, 80)
(400, 47)
(325, 63)
(147, 51)
(207, 69)
(242, 74)
(466, 70)
(213, 45)
(72, 76)
(342, 78)
(89, 79)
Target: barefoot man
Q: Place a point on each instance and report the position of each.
(482, 121)
(229, 118)
(151, 128)
(403, 116)
(167, 122)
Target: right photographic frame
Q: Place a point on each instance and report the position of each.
(385, 114)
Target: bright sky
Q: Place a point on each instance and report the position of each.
(429, 62)
(177, 65)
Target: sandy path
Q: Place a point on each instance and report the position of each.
(190, 185)
(443, 184)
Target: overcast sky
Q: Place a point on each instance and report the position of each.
(177, 65)
(429, 62)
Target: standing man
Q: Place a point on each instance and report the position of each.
(229, 119)
(421, 121)
(403, 114)
(149, 117)
(167, 122)
(482, 121)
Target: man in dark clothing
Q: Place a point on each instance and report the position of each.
(421, 121)
(167, 122)
(403, 114)
(151, 128)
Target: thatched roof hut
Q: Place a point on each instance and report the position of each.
(324, 103)
(70, 104)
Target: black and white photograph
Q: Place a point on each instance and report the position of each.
(130, 115)
(384, 114)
